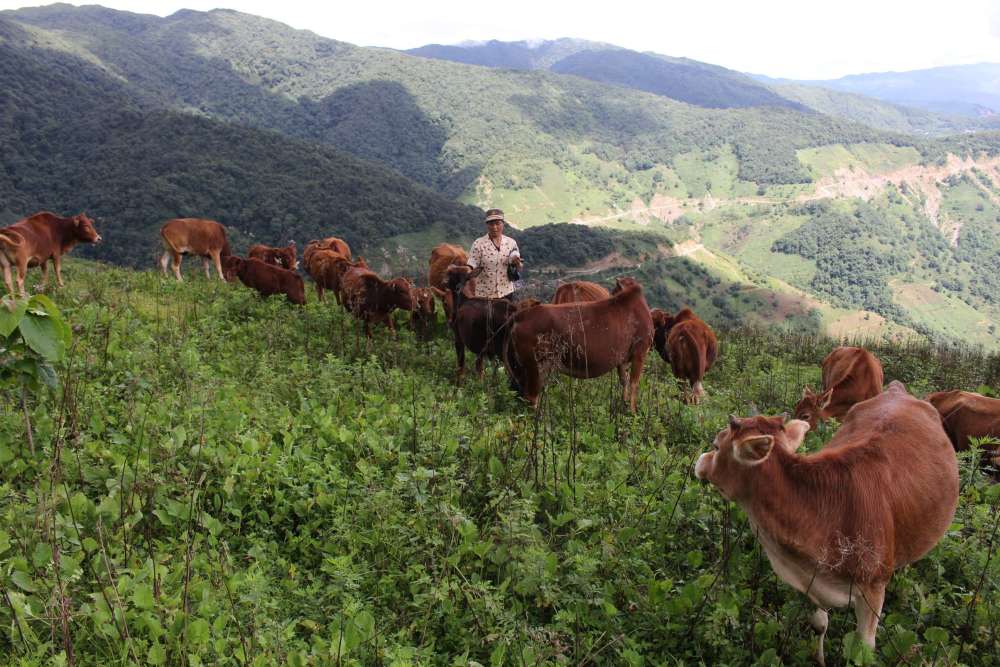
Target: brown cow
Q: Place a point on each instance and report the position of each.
(338, 246)
(580, 290)
(34, 240)
(964, 415)
(443, 256)
(266, 278)
(196, 236)
(327, 269)
(371, 299)
(283, 257)
(850, 375)
(583, 340)
(686, 343)
(478, 323)
(422, 316)
(837, 523)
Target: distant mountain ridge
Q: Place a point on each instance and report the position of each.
(680, 79)
(970, 90)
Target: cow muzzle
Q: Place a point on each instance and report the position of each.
(702, 466)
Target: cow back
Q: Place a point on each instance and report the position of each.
(197, 236)
(580, 290)
(444, 255)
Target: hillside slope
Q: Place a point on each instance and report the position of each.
(73, 138)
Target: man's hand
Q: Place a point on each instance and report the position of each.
(517, 262)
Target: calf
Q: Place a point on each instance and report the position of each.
(34, 240)
(371, 299)
(266, 278)
(422, 316)
(580, 290)
(443, 256)
(965, 415)
(837, 523)
(478, 323)
(583, 340)
(332, 243)
(195, 236)
(850, 375)
(283, 257)
(686, 343)
(327, 268)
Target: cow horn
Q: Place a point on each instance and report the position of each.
(733, 421)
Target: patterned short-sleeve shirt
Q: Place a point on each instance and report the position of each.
(493, 282)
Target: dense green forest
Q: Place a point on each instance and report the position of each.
(220, 479)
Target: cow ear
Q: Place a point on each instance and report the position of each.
(754, 450)
(795, 432)
(825, 399)
(807, 391)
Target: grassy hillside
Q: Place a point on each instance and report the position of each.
(221, 478)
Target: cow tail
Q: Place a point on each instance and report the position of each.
(11, 240)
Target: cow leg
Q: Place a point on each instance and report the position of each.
(204, 265)
(460, 354)
(217, 258)
(57, 261)
(820, 621)
(635, 375)
(868, 609)
(319, 292)
(45, 275)
(8, 280)
(22, 272)
(479, 364)
(176, 257)
(697, 392)
(163, 261)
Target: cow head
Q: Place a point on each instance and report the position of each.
(458, 276)
(287, 255)
(231, 265)
(400, 294)
(525, 304)
(662, 323)
(743, 449)
(811, 406)
(83, 229)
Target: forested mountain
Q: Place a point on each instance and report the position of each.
(733, 210)
(72, 138)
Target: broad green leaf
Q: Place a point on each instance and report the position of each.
(936, 635)
(142, 596)
(6, 455)
(44, 303)
(43, 336)
(157, 655)
(4, 541)
(198, 632)
(11, 312)
(42, 555)
(23, 581)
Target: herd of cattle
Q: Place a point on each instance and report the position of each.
(834, 524)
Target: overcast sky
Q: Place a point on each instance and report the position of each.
(787, 38)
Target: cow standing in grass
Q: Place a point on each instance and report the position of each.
(582, 340)
(194, 236)
(35, 240)
(850, 375)
(688, 344)
(836, 524)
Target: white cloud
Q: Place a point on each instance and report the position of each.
(777, 37)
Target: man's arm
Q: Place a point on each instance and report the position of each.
(474, 261)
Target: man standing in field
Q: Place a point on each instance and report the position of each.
(490, 258)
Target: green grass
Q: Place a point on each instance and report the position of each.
(235, 481)
(874, 158)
